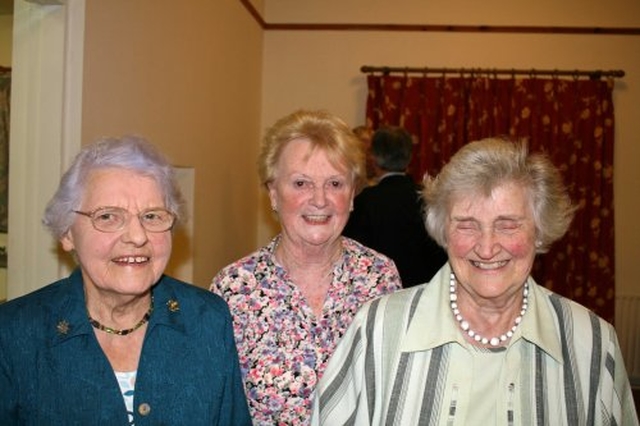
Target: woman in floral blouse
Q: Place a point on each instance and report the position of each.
(292, 300)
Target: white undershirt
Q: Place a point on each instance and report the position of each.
(127, 382)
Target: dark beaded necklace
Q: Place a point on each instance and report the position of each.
(124, 332)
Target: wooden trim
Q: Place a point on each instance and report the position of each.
(511, 29)
(254, 13)
(46, 2)
(456, 28)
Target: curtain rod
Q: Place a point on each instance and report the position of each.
(595, 74)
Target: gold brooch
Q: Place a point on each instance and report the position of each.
(173, 305)
(63, 327)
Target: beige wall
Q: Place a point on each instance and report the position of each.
(189, 79)
(618, 13)
(320, 69)
(194, 81)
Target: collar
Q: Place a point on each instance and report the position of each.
(268, 253)
(389, 174)
(68, 309)
(538, 325)
(69, 313)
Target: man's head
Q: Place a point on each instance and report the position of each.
(391, 148)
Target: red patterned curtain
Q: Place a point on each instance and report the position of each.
(569, 119)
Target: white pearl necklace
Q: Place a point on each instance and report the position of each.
(464, 325)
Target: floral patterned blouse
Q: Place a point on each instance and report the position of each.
(283, 347)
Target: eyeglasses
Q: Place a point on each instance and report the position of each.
(113, 219)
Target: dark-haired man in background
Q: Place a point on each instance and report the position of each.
(388, 216)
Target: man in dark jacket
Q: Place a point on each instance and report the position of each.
(388, 216)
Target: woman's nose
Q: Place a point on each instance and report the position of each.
(319, 198)
(134, 232)
(487, 245)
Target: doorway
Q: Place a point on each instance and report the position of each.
(6, 46)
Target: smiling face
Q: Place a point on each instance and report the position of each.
(313, 198)
(491, 241)
(129, 261)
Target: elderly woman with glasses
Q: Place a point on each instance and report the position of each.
(118, 342)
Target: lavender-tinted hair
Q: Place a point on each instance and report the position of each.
(130, 153)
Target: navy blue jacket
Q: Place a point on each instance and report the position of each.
(53, 371)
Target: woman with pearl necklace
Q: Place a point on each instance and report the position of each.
(482, 342)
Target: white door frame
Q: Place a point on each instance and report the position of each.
(45, 133)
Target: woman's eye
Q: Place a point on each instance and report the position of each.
(336, 184)
(507, 225)
(151, 216)
(466, 226)
(106, 217)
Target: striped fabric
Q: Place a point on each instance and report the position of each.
(403, 361)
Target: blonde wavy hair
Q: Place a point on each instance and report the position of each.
(325, 131)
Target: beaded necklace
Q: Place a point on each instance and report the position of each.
(464, 325)
(124, 332)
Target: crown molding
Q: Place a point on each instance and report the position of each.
(527, 29)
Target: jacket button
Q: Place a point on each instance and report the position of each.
(144, 409)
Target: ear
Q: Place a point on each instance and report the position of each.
(67, 242)
(273, 196)
(353, 196)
